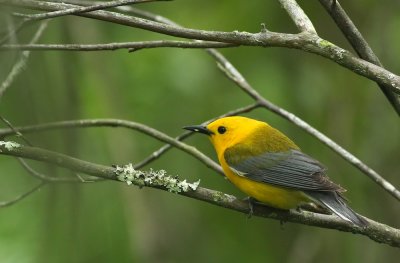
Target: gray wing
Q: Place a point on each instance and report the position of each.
(292, 169)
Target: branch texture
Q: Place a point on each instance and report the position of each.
(298, 16)
(376, 231)
(20, 64)
(80, 9)
(359, 44)
(132, 46)
(303, 41)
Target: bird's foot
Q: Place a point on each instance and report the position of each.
(251, 201)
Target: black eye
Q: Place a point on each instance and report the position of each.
(221, 129)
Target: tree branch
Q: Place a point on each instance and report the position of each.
(80, 9)
(17, 133)
(132, 46)
(98, 6)
(197, 154)
(117, 123)
(298, 16)
(20, 64)
(303, 41)
(358, 43)
(21, 196)
(376, 231)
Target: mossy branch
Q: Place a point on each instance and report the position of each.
(305, 41)
(376, 231)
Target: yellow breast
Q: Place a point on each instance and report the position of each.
(273, 196)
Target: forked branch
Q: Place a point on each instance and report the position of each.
(303, 41)
(376, 231)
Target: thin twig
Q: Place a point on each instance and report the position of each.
(22, 196)
(17, 133)
(27, 18)
(84, 9)
(52, 179)
(132, 46)
(41, 176)
(298, 16)
(303, 41)
(359, 44)
(32, 171)
(20, 64)
(11, 33)
(376, 231)
(117, 123)
(129, 9)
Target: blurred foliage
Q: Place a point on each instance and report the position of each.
(170, 88)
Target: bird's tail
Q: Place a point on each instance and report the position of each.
(336, 203)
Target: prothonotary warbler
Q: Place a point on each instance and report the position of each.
(269, 167)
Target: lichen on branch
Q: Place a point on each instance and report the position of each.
(131, 176)
(9, 145)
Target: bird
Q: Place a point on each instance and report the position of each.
(271, 169)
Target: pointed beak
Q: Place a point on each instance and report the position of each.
(198, 128)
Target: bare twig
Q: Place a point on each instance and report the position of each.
(17, 133)
(41, 176)
(359, 44)
(376, 231)
(132, 46)
(307, 42)
(80, 9)
(75, 10)
(298, 16)
(20, 64)
(118, 123)
(22, 196)
(350, 31)
(129, 9)
(11, 32)
(52, 179)
(34, 173)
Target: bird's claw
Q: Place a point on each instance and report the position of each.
(251, 202)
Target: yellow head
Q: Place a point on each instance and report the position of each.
(229, 131)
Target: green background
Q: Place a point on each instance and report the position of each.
(171, 88)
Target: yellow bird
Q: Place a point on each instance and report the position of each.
(266, 165)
